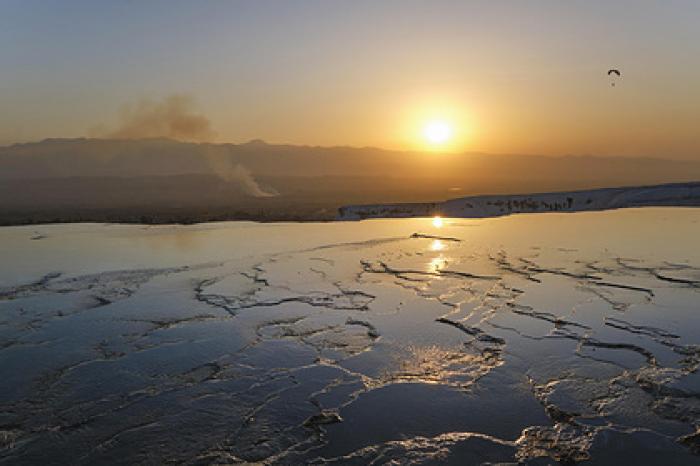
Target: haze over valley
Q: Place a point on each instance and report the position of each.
(162, 180)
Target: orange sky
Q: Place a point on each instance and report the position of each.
(525, 77)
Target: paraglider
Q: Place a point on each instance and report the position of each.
(614, 71)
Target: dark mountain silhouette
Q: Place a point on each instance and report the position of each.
(165, 180)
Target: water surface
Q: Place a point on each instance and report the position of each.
(534, 338)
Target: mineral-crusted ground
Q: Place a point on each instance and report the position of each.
(532, 339)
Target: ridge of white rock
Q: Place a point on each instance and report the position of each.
(677, 194)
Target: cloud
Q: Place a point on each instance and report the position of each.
(172, 117)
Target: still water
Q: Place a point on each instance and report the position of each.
(534, 338)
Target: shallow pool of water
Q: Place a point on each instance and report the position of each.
(532, 338)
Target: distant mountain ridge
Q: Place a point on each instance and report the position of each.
(56, 158)
(163, 180)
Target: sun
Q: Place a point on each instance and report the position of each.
(437, 132)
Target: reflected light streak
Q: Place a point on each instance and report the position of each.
(437, 264)
(437, 245)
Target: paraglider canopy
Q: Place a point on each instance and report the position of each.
(613, 72)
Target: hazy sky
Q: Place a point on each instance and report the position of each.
(511, 77)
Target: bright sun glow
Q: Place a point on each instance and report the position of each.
(437, 245)
(437, 221)
(437, 264)
(437, 132)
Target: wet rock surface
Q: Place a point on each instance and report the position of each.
(430, 347)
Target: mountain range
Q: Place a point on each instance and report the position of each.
(163, 180)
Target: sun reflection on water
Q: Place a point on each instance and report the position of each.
(437, 245)
(437, 264)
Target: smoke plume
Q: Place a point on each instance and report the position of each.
(221, 164)
(172, 117)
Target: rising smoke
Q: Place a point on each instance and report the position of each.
(174, 117)
(222, 165)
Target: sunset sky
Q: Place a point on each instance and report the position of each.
(507, 77)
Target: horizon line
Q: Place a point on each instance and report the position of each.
(262, 142)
